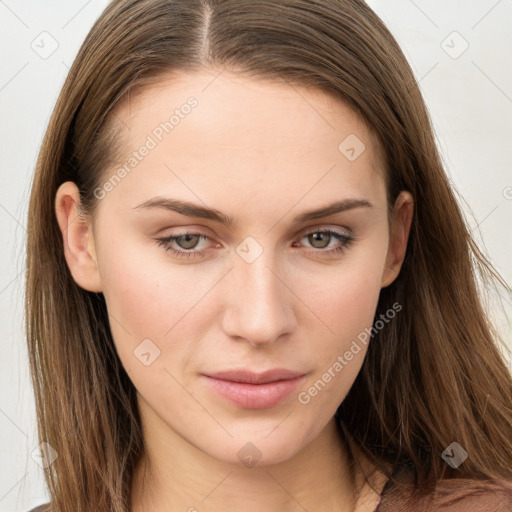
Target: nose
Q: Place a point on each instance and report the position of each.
(259, 303)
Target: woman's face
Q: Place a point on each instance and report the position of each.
(259, 283)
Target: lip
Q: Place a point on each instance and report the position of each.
(246, 376)
(254, 390)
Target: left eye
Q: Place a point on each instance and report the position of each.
(187, 242)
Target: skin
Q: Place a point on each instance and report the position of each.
(260, 152)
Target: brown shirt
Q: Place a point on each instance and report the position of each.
(380, 494)
(450, 495)
(457, 495)
(454, 495)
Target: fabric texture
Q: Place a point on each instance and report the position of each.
(455, 495)
(450, 495)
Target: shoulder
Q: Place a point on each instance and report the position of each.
(474, 495)
(452, 495)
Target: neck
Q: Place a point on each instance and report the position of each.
(174, 475)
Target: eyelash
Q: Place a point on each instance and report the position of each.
(346, 240)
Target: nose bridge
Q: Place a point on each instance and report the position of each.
(258, 302)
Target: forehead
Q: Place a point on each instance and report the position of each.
(210, 131)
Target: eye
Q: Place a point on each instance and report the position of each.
(187, 241)
(184, 245)
(320, 239)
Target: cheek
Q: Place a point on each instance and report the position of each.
(345, 296)
(345, 303)
(351, 299)
(152, 298)
(146, 299)
(347, 306)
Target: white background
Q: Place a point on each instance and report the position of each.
(469, 97)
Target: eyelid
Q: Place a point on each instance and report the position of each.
(322, 227)
(344, 238)
(304, 232)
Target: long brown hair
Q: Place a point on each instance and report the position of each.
(434, 375)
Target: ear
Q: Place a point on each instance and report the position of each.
(79, 248)
(399, 235)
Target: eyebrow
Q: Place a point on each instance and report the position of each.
(196, 210)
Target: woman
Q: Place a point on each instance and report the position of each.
(249, 282)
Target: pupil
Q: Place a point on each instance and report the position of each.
(317, 237)
(188, 239)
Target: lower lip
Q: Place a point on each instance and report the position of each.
(254, 396)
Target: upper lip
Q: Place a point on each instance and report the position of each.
(256, 378)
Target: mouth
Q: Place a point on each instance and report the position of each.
(250, 390)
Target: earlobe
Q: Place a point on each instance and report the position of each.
(78, 240)
(399, 236)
